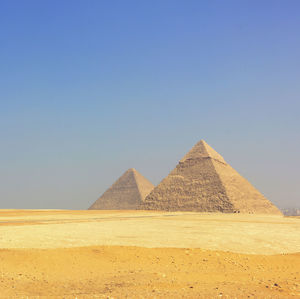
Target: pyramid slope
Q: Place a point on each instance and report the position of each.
(144, 186)
(126, 193)
(244, 197)
(204, 182)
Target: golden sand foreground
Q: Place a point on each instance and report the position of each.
(93, 254)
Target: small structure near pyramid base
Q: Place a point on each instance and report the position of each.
(126, 193)
(204, 182)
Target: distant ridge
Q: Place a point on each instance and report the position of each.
(203, 181)
(126, 193)
(291, 211)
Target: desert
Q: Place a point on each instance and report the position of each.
(149, 149)
(148, 254)
(203, 232)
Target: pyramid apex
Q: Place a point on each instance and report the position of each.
(131, 170)
(201, 141)
(202, 150)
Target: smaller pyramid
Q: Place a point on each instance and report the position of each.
(127, 193)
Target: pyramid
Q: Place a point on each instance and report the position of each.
(126, 193)
(203, 181)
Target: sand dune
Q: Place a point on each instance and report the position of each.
(120, 272)
(69, 254)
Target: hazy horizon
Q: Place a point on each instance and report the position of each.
(90, 89)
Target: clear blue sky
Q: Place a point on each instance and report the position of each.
(91, 88)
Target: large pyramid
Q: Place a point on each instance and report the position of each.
(204, 182)
(126, 193)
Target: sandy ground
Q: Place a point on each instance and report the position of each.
(228, 232)
(69, 254)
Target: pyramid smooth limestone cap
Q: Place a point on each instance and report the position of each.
(202, 150)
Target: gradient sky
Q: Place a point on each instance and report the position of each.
(89, 89)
